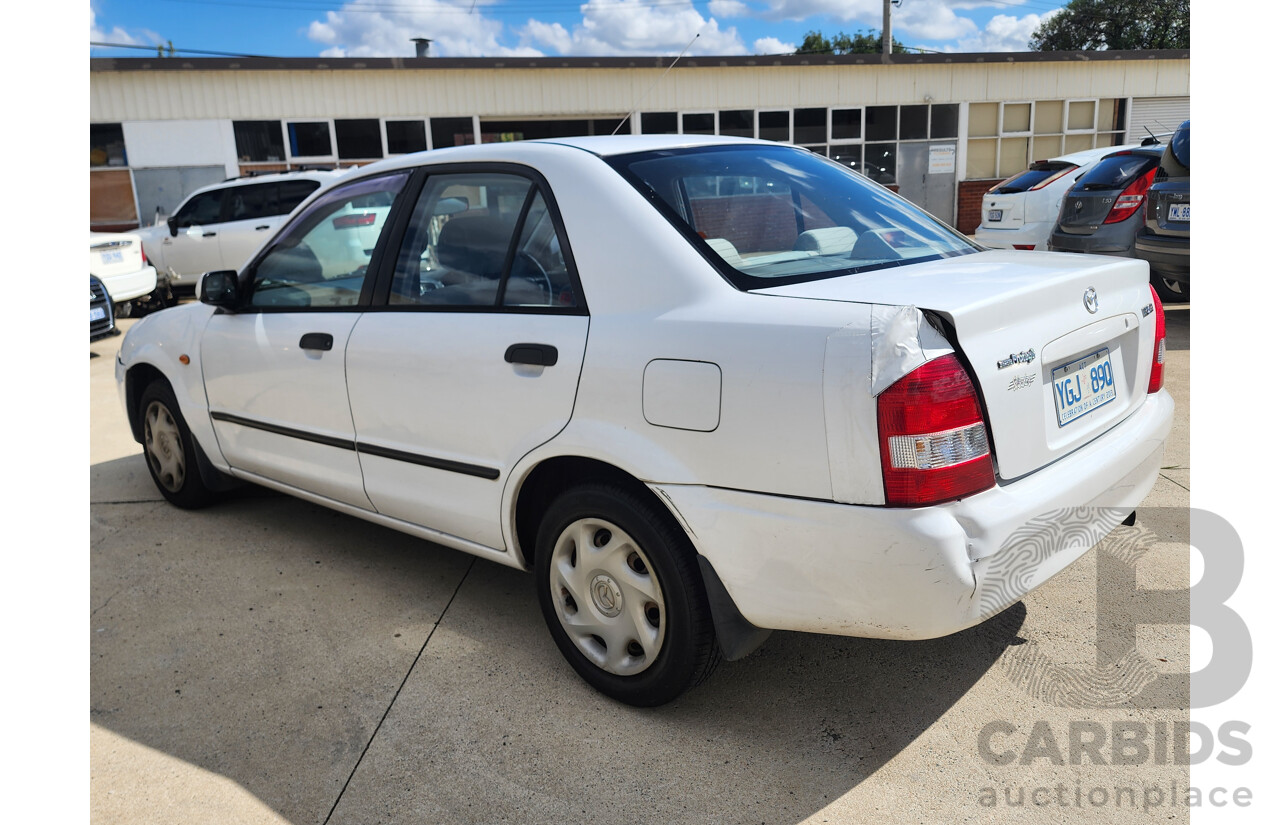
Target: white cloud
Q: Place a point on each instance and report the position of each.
(1003, 34)
(457, 29)
(914, 21)
(772, 45)
(728, 8)
(630, 27)
(117, 34)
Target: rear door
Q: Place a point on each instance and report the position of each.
(254, 213)
(274, 370)
(474, 358)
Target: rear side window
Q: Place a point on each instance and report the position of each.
(1115, 172)
(294, 192)
(1040, 174)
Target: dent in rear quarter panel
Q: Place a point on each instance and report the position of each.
(159, 340)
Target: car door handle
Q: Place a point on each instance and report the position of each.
(210, 234)
(260, 228)
(539, 355)
(317, 340)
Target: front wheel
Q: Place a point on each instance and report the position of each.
(620, 591)
(170, 449)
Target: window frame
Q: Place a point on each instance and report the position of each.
(398, 226)
(291, 158)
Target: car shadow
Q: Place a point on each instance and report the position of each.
(1177, 326)
(265, 639)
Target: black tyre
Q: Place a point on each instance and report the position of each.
(620, 591)
(170, 449)
(1171, 291)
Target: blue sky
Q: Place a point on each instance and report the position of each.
(495, 28)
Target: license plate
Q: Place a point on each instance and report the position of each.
(1180, 212)
(113, 257)
(995, 214)
(1083, 385)
(97, 314)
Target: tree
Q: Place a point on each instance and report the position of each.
(858, 43)
(1088, 25)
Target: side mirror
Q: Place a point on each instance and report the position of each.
(219, 289)
(173, 225)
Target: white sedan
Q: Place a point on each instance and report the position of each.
(118, 261)
(703, 388)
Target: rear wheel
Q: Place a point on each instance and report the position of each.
(170, 449)
(620, 592)
(1171, 291)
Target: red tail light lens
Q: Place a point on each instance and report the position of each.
(1157, 357)
(933, 439)
(1024, 246)
(1132, 198)
(352, 221)
(143, 252)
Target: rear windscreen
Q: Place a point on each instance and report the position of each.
(1040, 172)
(1115, 172)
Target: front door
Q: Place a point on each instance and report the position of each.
(275, 370)
(474, 360)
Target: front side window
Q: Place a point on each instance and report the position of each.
(481, 239)
(322, 258)
(776, 215)
(201, 210)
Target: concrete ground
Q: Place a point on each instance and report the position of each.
(268, 661)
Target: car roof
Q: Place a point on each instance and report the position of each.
(1091, 155)
(321, 175)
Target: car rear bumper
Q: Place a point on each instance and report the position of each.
(822, 567)
(1029, 234)
(1103, 242)
(1168, 257)
(129, 285)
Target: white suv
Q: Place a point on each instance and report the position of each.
(221, 226)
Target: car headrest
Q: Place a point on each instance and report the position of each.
(475, 243)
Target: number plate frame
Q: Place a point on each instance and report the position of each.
(112, 257)
(97, 314)
(1073, 394)
(995, 215)
(1180, 212)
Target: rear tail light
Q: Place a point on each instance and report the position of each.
(1157, 357)
(352, 221)
(933, 439)
(1024, 246)
(142, 250)
(1132, 198)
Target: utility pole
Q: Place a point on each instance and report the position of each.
(886, 33)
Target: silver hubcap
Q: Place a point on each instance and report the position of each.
(163, 445)
(607, 598)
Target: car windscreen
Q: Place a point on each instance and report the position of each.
(1114, 172)
(1040, 173)
(773, 215)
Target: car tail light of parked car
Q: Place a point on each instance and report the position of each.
(933, 439)
(1157, 357)
(1132, 198)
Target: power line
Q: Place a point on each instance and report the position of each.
(174, 49)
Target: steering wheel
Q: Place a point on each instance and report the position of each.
(538, 274)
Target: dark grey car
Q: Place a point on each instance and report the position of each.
(1164, 241)
(1103, 210)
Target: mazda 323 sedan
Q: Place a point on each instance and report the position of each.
(702, 388)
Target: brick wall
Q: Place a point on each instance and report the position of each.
(969, 206)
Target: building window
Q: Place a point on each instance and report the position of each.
(106, 145)
(738, 123)
(451, 131)
(258, 141)
(882, 123)
(913, 123)
(358, 139)
(811, 126)
(310, 139)
(405, 136)
(944, 120)
(775, 126)
(846, 124)
(702, 123)
(658, 123)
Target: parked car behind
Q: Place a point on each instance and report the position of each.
(1020, 212)
(1164, 240)
(1103, 209)
(119, 261)
(102, 320)
(221, 226)
(803, 403)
